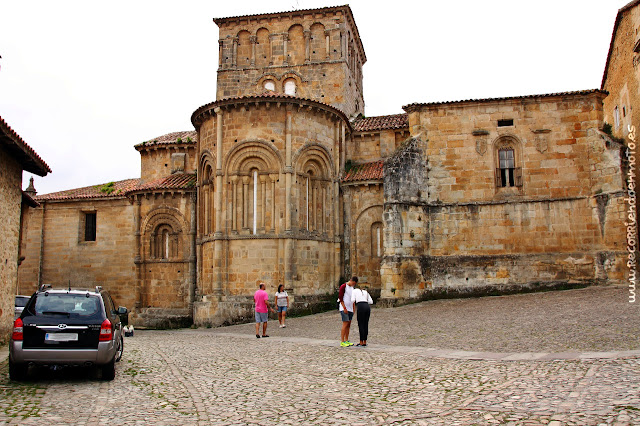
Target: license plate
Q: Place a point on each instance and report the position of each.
(61, 337)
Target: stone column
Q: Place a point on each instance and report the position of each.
(219, 173)
(314, 205)
(218, 254)
(138, 259)
(193, 283)
(263, 197)
(307, 47)
(323, 208)
(273, 178)
(253, 40)
(288, 170)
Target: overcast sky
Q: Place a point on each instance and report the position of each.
(83, 81)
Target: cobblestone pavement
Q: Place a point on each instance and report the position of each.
(301, 376)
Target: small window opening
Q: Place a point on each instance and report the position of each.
(90, 226)
(505, 123)
(290, 87)
(270, 85)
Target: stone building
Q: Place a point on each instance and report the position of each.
(622, 71)
(135, 237)
(15, 156)
(285, 181)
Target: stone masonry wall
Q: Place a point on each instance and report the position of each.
(155, 163)
(10, 202)
(67, 258)
(563, 226)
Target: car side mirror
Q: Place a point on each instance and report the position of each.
(122, 310)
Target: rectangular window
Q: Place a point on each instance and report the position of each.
(505, 123)
(90, 226)
(507, 173)
(616, 116)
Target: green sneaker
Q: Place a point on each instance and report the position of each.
(348, 343)
(344, 344)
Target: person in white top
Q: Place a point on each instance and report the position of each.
(282, 304)
(345, 303)
(362, 299)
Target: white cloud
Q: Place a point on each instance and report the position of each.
(82, 82)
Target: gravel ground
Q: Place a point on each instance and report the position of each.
(598, 318)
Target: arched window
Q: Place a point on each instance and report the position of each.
(290, 86)
(508, 171)
(163, 243)
(270, 85)
(164, 254)
(255, 201)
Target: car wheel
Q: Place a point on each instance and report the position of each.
(119, 349)
(17, 372)
(109, 370)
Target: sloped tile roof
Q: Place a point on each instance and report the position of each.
(364, 172)
(413, 106)
(185, 137)
(107, 190)
(178, 181)
(175, 181)
(382, 122)
(29, 160)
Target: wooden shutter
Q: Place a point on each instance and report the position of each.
(517, 176)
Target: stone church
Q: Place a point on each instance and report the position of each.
(284, 180)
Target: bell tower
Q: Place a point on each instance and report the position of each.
(315, 54)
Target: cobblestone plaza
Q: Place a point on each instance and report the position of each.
(558, 358)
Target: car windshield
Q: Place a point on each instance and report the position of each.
(66, 304)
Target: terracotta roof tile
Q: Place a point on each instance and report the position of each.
(27, 157)
(107, 190)
(184, 137)
(364, 172)
(547, 95)
(175, 181)
(382, 122)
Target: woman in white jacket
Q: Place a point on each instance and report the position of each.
(362, 300)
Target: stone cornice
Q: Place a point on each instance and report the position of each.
(208, 110)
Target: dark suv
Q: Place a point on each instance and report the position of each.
(67, 328)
